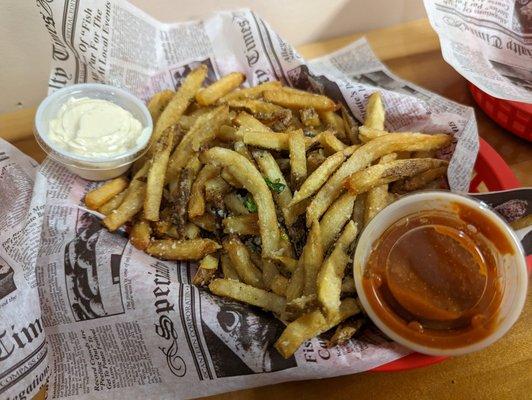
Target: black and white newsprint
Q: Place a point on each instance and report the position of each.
(83, 310)
(489, 42)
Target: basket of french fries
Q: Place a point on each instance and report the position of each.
(267, 188)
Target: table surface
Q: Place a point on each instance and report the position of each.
(504, 370)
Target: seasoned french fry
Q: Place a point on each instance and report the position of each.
(312, 324)
(206, 271)
(228, 270)
(366, 134)
(312, 258)
(242, 225)
(196, 203)
(380, 174)
(179, 103)
(242, 149)
(299, 99)
(358, 210)
(374, 112)
(156, 175)
(321, 174)
(266, 140)
(241, 261)
(191, 231)
(203, 131)
(309, 117)
(259, 108)
(248, 294)
(183, 250)
(351, 126)
(314, 160)
(248, 175)
(345, 331)
(220, 88)
(296, 284)
(273, 280)
(250, 123)
(421, 180)
(279, 285)
(216, 189)
(329, 280)
(335, 218)
(365, 155)
(113, 204)
(298, 161)
(158, 103)
(132, 203)
(302, 305)
(181, 193)
(235, 204)
(377, 197)
(228, 133)
(333, 121)
(330, 143)
(289, 264)
(140, 233)
(230, 179)
(102, 194)
(251, 92)
(206, 222)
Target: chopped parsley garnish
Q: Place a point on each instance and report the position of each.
(250, 204)
(276, 186)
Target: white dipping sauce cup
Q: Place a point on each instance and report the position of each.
(88, 167)
(512, 269)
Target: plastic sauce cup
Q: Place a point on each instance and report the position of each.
(88, 167)
(511, 268)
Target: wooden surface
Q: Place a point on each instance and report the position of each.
(504, 370)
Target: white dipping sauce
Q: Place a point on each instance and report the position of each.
(94, 128)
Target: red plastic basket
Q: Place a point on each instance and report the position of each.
(513, 116)
(493, 172)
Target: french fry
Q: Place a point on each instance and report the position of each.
(203, 131)
(113, 204)
(266, 140)
(329, 280)
(348, 285)
(345, 331)
(358, 210)
(248, 175)
(331, 143)
(251, 92)
(377, 197)
(228, 133)
(158, 103)
(206, 271)
(299, 306)
(248, 294)
(102, 194)
(220, 88)
(140, 234)
(282, 194)
(179, 103)
(351, 126)
(216, 189)
(381, 174)
(235, 204)
(196, 203)
(273, 280)
(309, 117)
(298, 99)
(311, 259)
(242, 225)
(316, 180)
(156, 175)
(182, 250)
(132, 203)
(298, 161)
(228, 270)
(365, 155)
(230, 179)
(259, 108)
(181, 193)
(419, 181)
(522, 222)
(374, 112)
(241, 261)
(191, 231)
(310, 325)
(250, 123)
(289, 264)
(279, 285)
(366, 134)
(206, 222)
(335, 218)
(333, 121)
(242, 149)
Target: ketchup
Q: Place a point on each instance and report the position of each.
(432, 277)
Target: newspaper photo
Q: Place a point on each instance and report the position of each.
(488, 42)
(85, 312)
